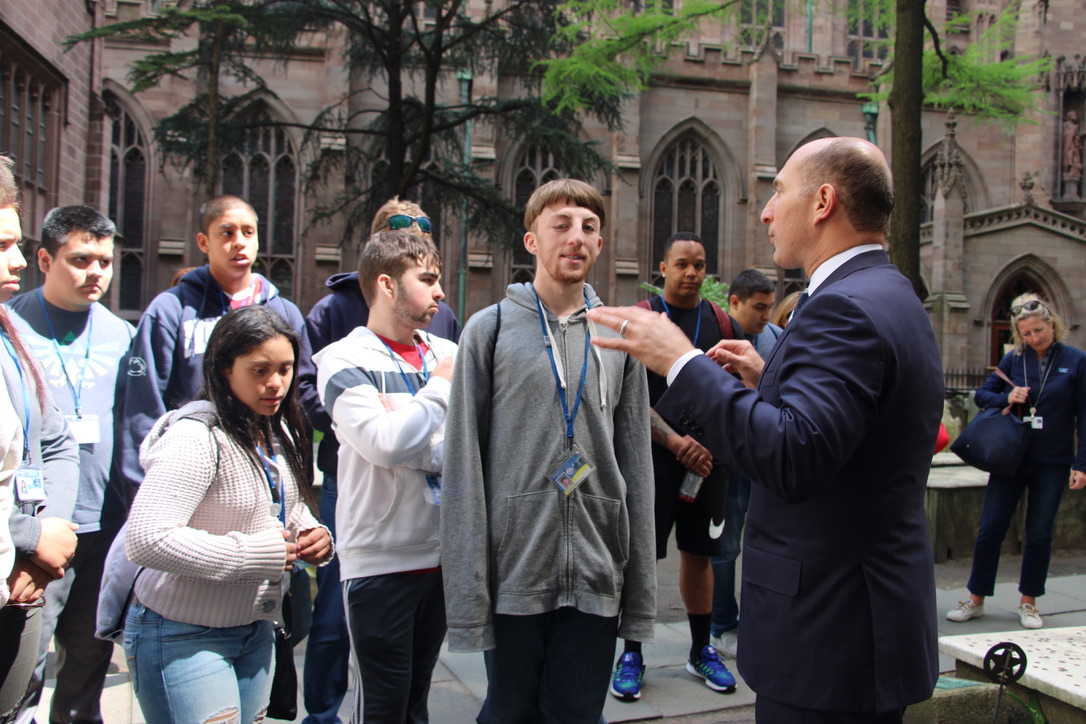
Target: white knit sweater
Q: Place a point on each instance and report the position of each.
(202, 524)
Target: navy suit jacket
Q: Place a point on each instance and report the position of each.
(838, 600)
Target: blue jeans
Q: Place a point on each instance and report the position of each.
(550, 668)
(328, 650)
(725, 604)
(185, 673)
(1044, 485)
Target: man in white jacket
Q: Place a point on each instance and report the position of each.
(386, 387)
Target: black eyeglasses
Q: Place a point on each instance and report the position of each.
(1031, 306)
(403, 221)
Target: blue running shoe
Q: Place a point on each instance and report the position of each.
(626, 683)
(708, 666)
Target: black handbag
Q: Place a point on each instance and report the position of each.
(993, 441)
(283, 703)
(300, 599)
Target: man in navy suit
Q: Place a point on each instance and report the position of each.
(838, 589)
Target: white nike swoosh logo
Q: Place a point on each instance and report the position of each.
(715, 531)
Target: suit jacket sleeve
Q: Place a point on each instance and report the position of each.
(812, 407)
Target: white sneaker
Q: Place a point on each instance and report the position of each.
(965, 611)
(727, 644)
(1029, 616)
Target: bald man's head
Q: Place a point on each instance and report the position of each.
(859, 174)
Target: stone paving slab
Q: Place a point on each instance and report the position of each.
(1056, 658)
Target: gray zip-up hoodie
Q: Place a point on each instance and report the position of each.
(511, 541)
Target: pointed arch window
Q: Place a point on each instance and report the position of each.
(687, 195)
(930, 189)
(264, 172)
(535, 168)
(128, 203)
(1001, 336)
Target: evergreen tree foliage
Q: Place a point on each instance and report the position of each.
(401, 128)
(405, 120)
(231, 34)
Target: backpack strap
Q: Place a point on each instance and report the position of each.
(723, 320)
(493, 348)
(494, 341)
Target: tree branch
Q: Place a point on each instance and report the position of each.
(938, 48)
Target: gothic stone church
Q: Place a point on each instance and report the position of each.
(1004, 207)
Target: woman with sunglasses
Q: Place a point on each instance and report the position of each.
(221, 515)
(1049, 392)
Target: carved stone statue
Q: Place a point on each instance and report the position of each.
(1072, 147)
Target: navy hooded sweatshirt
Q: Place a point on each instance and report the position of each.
(167, 355)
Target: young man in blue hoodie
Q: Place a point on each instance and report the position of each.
(164, 366)
(333, 317)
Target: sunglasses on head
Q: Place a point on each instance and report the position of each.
(403, 221)
(1031, 306)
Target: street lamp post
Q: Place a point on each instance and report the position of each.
(464, 76)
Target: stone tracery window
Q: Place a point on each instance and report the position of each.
(867, 32)
(535, 168)
(756, 18)
(264, 172)
(128, 203)
(687, 196)
(31, 98)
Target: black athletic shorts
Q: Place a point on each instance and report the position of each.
(698, 525)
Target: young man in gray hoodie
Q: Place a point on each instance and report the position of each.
(547, 541)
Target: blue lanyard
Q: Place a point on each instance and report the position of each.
(77, 393)
(554, 368)
(276, 492)
(26, 397)
(697, 328)
(425, 371)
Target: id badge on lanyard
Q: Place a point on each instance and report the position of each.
(29, 485)
(84, 429)
(572, 466)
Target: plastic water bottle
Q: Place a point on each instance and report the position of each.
(691, 484)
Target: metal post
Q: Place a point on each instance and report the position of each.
(464, 76)
(871, 113)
